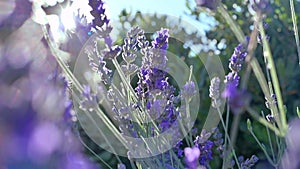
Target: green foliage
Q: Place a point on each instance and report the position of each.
(283, 46)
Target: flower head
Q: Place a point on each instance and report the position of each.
(191, 157)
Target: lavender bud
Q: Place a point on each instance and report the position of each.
(121, 166)
(270, 118)
(129, 69)
(129, 48)
(89, 100)
(273, 101)
(214, 92)
(112, 52)
(214, 88)
(188, 90)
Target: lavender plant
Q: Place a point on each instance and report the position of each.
(130, 101)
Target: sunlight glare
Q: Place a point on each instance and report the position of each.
(67, 18)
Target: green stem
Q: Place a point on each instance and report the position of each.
(274, 77)
(264, 121)
(79, 87)
(294, 18)
(227, 137)
(89, 149)
(270, 141)
(262, 147)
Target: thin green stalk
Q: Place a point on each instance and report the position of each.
(89, 149)
(260, 77)
(270, 141)
(171, 158)
(187, 109)
(226, 130)
(227, 137)
(123, 78)
(262, 147)
(101, 132)
(132, 164)
(274, 77)
(184, 132)
(78, 86)
(264, 122)
(294, 18)
(61, 63)
(280, 148)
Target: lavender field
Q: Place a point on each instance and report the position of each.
(189, 84)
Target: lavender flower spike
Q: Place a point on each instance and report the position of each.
(232, 81)
(214, 91)
(160, 45)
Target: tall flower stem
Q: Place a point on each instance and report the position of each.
(270, 142)
(227, 138)
(295, 28)
(79, 87)
(274, 77)
(264, 122)
(260, 144)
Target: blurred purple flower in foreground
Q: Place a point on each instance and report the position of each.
(290, 159)
(191, 156)
(34, 128)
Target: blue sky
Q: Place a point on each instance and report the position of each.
(175, 8)
(170, 7)
(166, 7)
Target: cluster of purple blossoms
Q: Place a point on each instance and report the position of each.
(248, 163)
(153, 85)
(192, 156)
(201, 154)
(235, 65)
(232, 81)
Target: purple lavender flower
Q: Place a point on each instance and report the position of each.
(237, 104)
(237, 58)
(235, 65)
(121, 166)
(98, 12)
(260, 5)
(20, 14)
(191, 157)
(214, 92)
(248, 163)
(188, 90)
(160, 45)
(33, 129)
(293, 135)
(206, 152)
(89, 101)
(218, 142)
(232, 81)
